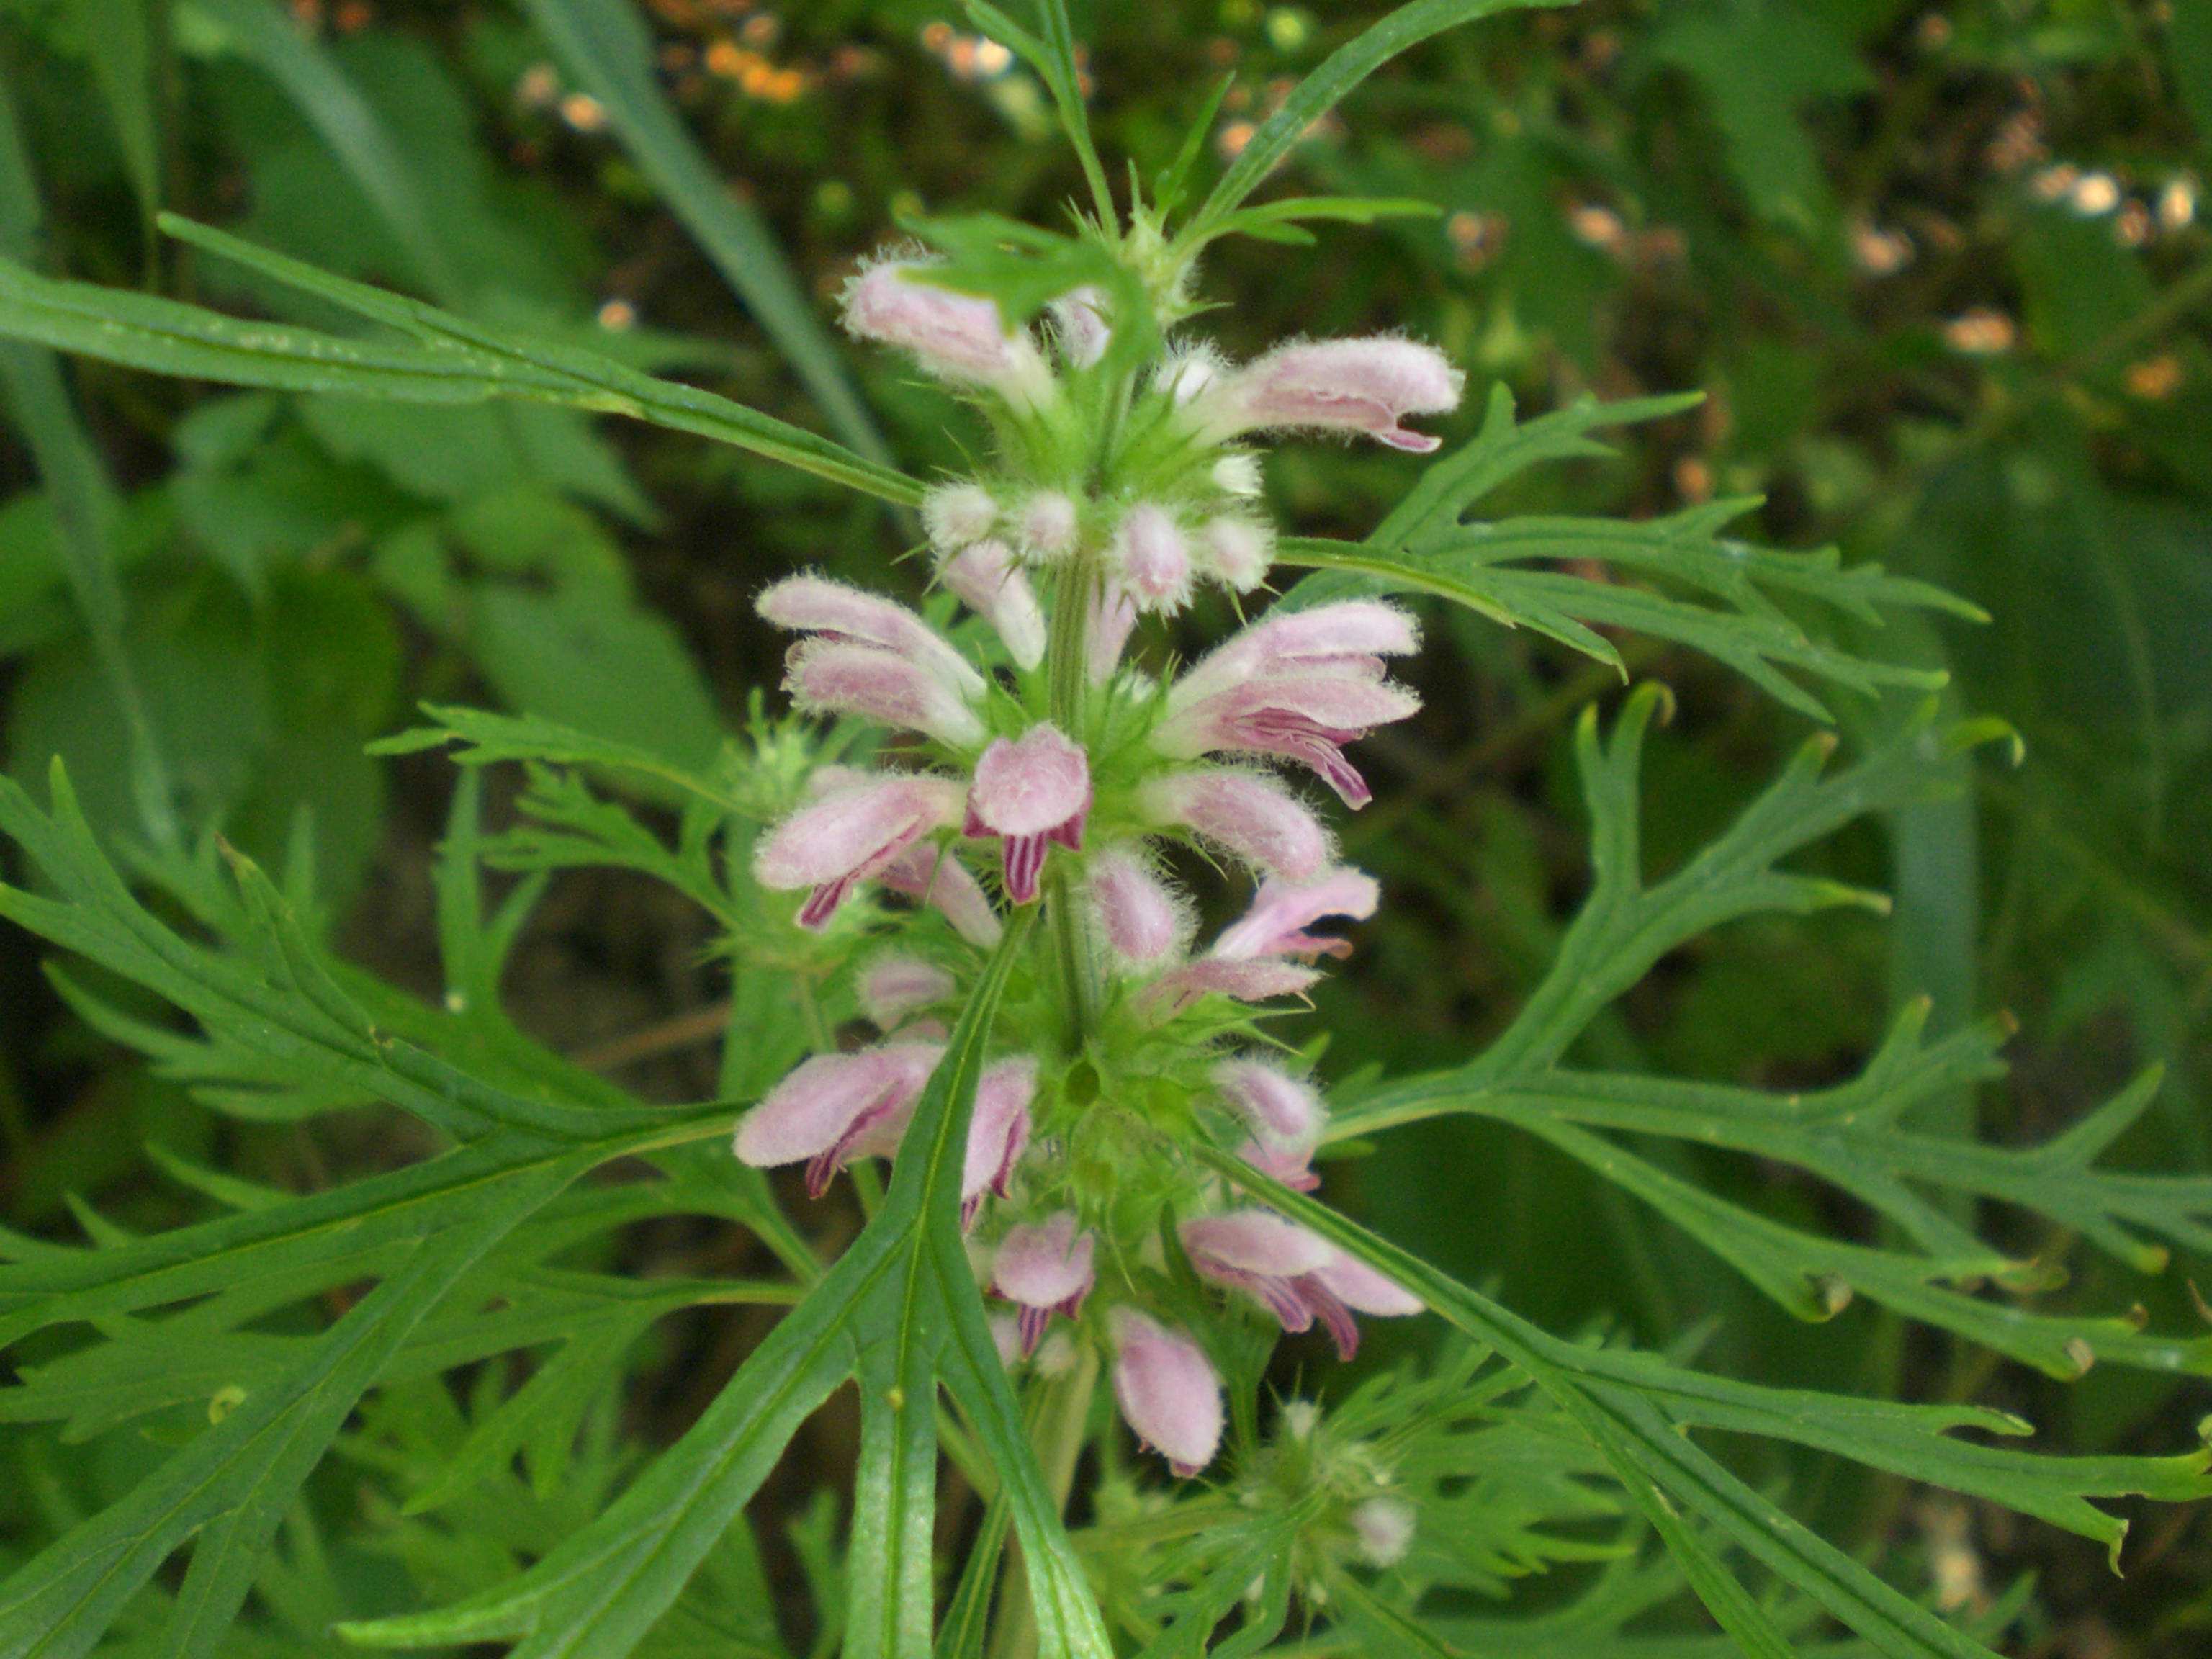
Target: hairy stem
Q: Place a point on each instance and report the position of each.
(1068, 682)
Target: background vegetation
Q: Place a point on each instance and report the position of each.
(1941, 267)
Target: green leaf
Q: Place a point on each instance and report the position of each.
(1635, 1408)
(1321, 91)
(81, 494)
(604, 48)
(233, 1485)
(454, 360)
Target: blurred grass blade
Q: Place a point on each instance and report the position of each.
(81, 494)
(121, 37)
(1322, 90)
(263, 32)
(604, 48)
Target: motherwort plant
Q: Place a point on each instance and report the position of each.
(957, 896)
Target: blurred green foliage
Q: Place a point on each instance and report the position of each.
(1942, 268)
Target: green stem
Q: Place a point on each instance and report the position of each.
(1068, 686)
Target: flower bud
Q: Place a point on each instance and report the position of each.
(1236, 552)
(1168, 1391)
(1107, 632)
(1383, 1529)
(1238, 473)
(839, 677)
(1154, 559)
(933, 875)
(893, 987)
(1080, 324)
(1047, 526)
(1140, 917)
(954, 514)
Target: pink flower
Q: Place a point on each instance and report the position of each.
(1247, 961)
(1281, 912)
(990, 584)
(1284, 1114)
(1029, 791)
(933, 875)
(855, 831)
(872, 658)
(1167, 1391)
(1045, 1269)
(1296, 1275)
(835, 1108)
(956, 337)
(832, 677)
(893, 987)
(1278, 1108)
(1143, 921)
(1107, 632)
(815, 605)
(1253, 816)
(998, 1130)
(1346, 637)
(1152, 558)
(1368, 385)
(1295, 691)
(954, 514)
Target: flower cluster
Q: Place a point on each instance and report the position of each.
(1125, 1041)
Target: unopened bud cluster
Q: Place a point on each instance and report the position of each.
(1044, 766)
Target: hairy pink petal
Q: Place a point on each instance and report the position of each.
(1049, 526)
(998, 1130)
(1247, 982)
(959, 337)
(1046, 1268)
(1236, 552)
(1168, 1391)
(989, 583)
(1107, 632)
(815, 605)
(938, 879)
(1368, 386)
(1281, 912)
(1347, 636)
(1139, 915)
(1358, 1285)
(1029, 791)
(1293, 1169)
(893, 987)
(1079, 319)
(1253, 817)
(852, 832)
(1280, 1110)
(837, 1107)
(838, 677)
